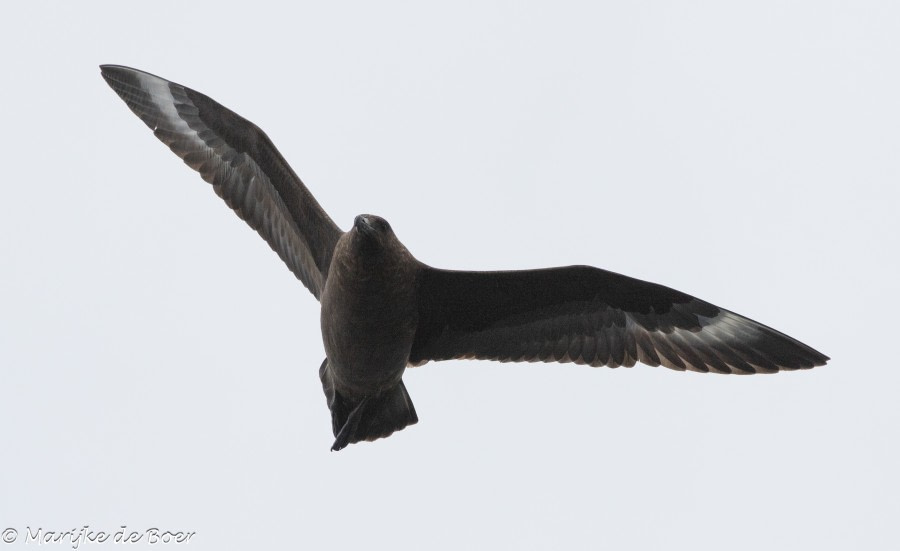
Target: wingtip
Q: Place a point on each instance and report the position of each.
(817, 358)
(110, 69)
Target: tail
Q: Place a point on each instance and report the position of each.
(369, 419)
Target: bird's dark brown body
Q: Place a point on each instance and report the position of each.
(383, 310)
(368, 345)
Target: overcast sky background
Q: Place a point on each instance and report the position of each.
(159, 361)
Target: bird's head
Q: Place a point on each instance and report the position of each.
(372, 241)
(371, 226)
(372, 232)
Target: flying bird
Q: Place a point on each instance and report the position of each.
(383, 311)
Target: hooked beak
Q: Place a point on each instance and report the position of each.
(363, 224)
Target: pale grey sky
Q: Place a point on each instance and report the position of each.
(159, 362)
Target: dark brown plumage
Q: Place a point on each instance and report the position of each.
(383, 310)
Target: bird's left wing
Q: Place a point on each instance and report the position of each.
(590, 316)
(241, 163)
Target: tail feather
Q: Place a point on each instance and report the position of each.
(368, 419)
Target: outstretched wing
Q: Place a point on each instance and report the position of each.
(590, 316)
(239, 160)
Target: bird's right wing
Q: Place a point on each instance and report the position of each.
(239, 160)
(590, 316)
